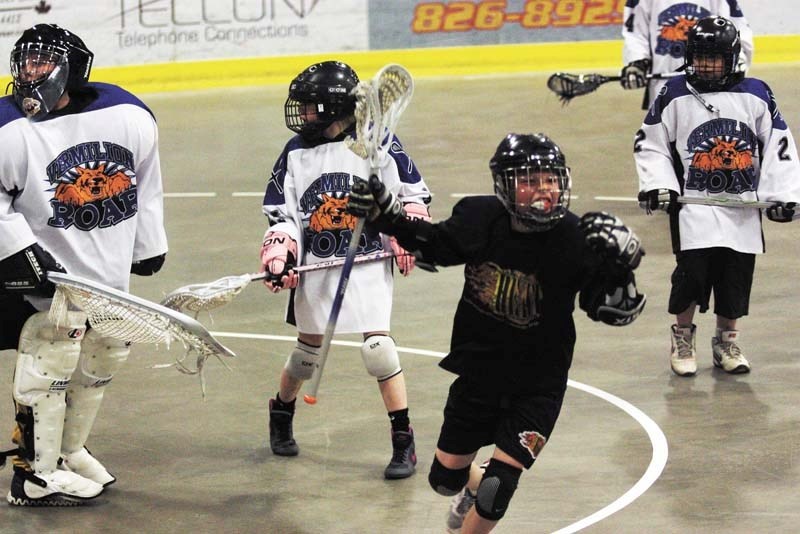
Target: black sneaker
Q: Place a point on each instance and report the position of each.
(281, 437)
(404, 457)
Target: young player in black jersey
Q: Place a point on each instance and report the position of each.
(526, 257)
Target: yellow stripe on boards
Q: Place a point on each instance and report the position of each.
(596, 56)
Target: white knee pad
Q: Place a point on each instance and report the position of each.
(47, 356)
(302, 362)
(101, 357)
(380, 357)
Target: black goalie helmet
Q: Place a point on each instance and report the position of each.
(46, 61)
(319, 96)
(712, 54)
(532, 180)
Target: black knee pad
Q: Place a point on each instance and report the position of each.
(497, 486)
(446, 481)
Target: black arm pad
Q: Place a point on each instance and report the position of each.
(149, 266)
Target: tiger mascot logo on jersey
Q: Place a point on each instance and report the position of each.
(92, 185)
(675, 23)
(332, 215)
(330, 227)
(723, 155)
(533, 441)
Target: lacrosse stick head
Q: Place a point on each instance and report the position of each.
(568, 86)
(208, 296)
(379, 104)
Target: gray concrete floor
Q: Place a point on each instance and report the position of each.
(188, 465)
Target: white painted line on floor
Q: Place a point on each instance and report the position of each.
(660, 453)
(189, 195)
(247, 194)
(657, 438)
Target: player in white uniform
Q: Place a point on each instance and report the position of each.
(654, 38)
(715, 134)
(80, 190)
(305, 202)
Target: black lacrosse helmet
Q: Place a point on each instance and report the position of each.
(535, 161)
(713, 37)
(329, 87)
(46, 61)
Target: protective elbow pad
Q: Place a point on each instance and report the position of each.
(497, 486)
(380, 357)
(447, 482)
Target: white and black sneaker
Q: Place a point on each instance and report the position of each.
(683, 356)
(728, 355)
(59, 488)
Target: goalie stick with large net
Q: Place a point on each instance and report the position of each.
(126, 317)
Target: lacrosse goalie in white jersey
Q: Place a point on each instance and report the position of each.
(80, 190)
(715, 135)
(305, 202)
(654, 35)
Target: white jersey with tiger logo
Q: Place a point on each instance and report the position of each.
(306, 198)
(657, 30)
(86, 186)
(732, 144)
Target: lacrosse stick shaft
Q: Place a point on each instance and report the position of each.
(730, 203)
(330, 264)
(344, 278)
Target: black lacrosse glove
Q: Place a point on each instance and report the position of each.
(618, 246)
(659, 199)
(634, 74)
(361, 203)
(25, 272)
(390, 213)
(781, 212)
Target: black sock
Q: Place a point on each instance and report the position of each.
(279, 404)
(399, 419)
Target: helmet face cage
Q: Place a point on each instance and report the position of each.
(712, 52)
(532, 180)
(319, 96)
(47, 61)
(537, 196)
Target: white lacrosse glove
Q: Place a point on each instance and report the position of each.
(278, 258)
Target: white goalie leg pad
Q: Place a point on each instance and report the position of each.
(302, 361)
(46, 361)
(380, 357)
(101, 357)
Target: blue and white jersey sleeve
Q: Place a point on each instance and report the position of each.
(280, 200)
(410, 186)
(780, 170)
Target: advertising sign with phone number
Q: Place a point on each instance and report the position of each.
(495, 14)
(470, 22)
